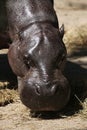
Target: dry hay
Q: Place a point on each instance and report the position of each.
(83, 112)
(7, 95)
(75, 39)
(3, 51)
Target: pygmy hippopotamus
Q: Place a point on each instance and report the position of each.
(37, 55)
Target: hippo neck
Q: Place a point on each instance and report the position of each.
(23, 13)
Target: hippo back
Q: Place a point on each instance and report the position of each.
(27, 12)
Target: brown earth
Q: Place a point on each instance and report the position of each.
(15, 116)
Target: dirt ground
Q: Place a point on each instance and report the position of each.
(15, 116)
(71, 13)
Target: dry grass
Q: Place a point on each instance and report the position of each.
(7, 95)
(76, 39)
(83, 112)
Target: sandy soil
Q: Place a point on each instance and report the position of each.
(16, 116)
(71, 15)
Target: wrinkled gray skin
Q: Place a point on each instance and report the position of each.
(37, 55)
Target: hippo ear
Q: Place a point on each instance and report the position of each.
(61, 30)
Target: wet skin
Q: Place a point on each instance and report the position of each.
(37, 55)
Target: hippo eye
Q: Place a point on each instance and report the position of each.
(63, 57)
(28, 62)
(21, 36)
(60, 60)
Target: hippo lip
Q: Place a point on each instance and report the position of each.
(38, 103)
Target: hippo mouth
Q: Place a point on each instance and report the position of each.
(44, 98)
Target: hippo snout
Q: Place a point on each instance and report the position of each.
(43, 96)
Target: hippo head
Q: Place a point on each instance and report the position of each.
(38, 60)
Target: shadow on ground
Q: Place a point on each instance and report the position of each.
(76, 70)
(77, 77)
(6, 73)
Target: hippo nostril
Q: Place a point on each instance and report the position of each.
(38, 90)
(46, 91)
